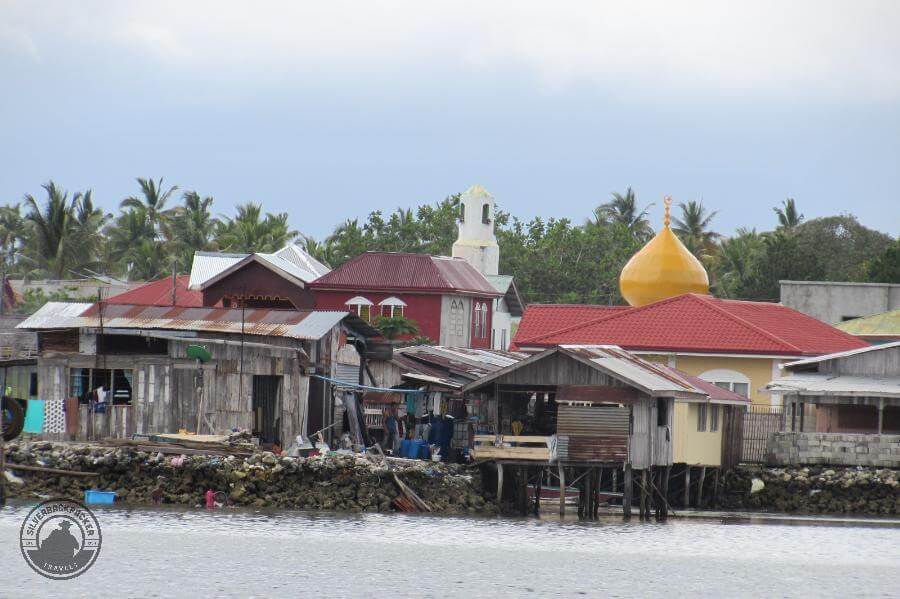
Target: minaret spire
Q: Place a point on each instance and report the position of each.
(667, 202)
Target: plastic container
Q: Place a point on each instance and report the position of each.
(94, 497)
(405, 448)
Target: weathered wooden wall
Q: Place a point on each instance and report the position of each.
(166, 394)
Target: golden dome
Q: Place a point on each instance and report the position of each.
(662, 268)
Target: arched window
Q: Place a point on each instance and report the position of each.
(728, 379)
(462, 212)
(486, 214)
(484, 311)
(392, 307)
(361, 306)
(476, 318)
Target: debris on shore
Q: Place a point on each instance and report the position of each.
(342, 482)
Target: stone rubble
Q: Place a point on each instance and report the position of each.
(332, 482)
(813, 490)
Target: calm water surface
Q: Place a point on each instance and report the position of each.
(195, 553)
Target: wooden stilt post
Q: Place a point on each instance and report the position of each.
(538, 486)
(643, 493)
(627, 491)
(655, 493)
(615, 480)
(716, 487)
(665, 492)
(562, 491)
(582, 496)
(687, 487)
(700, 486)
(499, 483)
(597, 488)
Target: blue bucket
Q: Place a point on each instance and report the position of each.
(93, 497)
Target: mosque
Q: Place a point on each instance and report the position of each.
(671, 318)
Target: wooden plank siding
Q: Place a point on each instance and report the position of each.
(164, 388)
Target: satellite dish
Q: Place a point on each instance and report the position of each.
(198, 352)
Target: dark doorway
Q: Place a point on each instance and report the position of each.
(315, 414)
(266, 424)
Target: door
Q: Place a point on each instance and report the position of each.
(266, 415)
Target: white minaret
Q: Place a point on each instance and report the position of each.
(476, 242)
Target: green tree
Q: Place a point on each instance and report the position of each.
(62, 234)
(885, 267)
(693, 227)
(623, 210)
(788, 215)
(193, 228)
(152, 200)
(736, 264)
(250, 232)
(12, 238)
(392, 327)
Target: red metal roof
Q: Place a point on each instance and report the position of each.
(540, 319)
(715, 392)
(159, 293)
(391, 271)
(699, 323)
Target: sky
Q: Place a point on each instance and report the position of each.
(329, 110)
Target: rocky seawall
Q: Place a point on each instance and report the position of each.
(813, 490)
(336, 482)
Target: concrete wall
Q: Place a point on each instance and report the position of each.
(837, 449)
(835, 302)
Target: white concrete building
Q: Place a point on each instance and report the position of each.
(477, 244)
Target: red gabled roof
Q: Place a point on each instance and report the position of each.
(540, 319)
(159, 293)
(701, 323)
(392, 271)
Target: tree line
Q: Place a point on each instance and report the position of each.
(554, 260)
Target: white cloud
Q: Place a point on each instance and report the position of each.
(833, 48)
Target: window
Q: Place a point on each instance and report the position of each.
(503, 339)
(457, 318)
(392, 307)
(662, 412)
(477, 319)
(713, 418)
(701, 417)
(116, 382)
(361, 306)
(484, 329)
(462, 212)
(32, 384)
(486, 214)
(728, 379)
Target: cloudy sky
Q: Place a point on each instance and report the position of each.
(329, 110)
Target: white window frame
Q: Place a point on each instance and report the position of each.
(358, 303)
(395, 307)
(701, 417)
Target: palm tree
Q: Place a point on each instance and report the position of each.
(736, 263)
(693, 227)
(62, 234)
(193, 227)
(249, 232)
(130, 230)
(153, 201)
(623, 210)
(320, 250)
(12, 236)
(788, 216)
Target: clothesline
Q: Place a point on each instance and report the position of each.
(339, 383)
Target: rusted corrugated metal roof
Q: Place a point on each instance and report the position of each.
(464, 363)
(295, 324)
(653, 379)
(392, 271)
